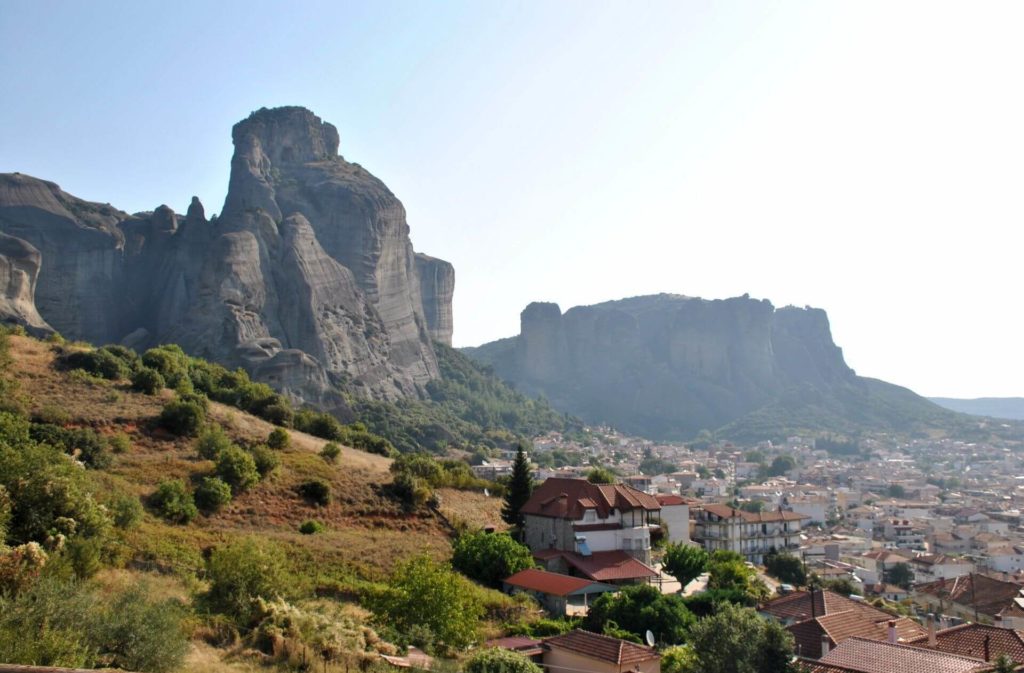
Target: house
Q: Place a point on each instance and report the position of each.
(861, 655)
(675, 514)
(575, 516)
(594, 653)
(752, 534)
(931, 567)
(902, 534)
(973, 597)
(530, 648)
(560, 595)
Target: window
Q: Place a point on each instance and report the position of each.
(590, 515)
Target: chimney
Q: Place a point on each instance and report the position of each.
(824, 645)
(892, 631)
(932, 642)
(813, 612)
(987, 654)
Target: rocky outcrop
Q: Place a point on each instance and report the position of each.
(308, 277)
(437, 286)
(668, 366)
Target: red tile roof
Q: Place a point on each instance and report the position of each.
(839, 626)
(727, 512)
(526, 646)
(568, 498)
(545, 582)
(859, 655)
(989, 596)
(969, 640)
(602, 566)
(604, 648)
(670, 500)
(797, 606)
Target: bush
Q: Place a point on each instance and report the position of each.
(265, 459)
(243, 571)
(99, 363)
(173, 502)
(141, 634)
(311, 527)
(499, 660)
(212, 441)
(279, 439)
(330, 452)
(183, 417)
(212, 495)
(237, 468)
(316, 491)
(120, 443)
(148, 381)
(489, 558)
(278, 413)
(170, 362)
(411, 491)
(126, 511)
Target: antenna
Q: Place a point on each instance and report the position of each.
(649, 637)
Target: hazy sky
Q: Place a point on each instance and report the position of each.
(862, 157)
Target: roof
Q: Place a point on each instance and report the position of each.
(526, 646)
(797, 606)
(969, 640)
(672, 500)
(839, 626)
(727, 512)
(602, 566)
(563, 498)
(555, 584)
(860, 655)
(986, 594)
(937, 559)
(604, 648)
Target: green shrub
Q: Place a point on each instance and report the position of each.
(173, 502)
(498, 660)
(212, 495)
(278, 413)
(237, 468)
(489, 558)
(279, 439)
(316, 491)
(311, 527)
(139, 633)
(126, 511)
(120, 443)
(243, 571)
(211, 442)
(169, 361)
(330, 452)
(99, 363)
(183, 417)
(265, 459)
(148, 381)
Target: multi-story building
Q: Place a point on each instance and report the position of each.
(752, 534)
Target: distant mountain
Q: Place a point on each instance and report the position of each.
(668, 366)
(1011, 408)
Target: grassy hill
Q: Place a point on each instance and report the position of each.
(366, 531)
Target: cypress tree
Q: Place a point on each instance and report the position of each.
(520, 486)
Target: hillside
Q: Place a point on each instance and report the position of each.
(365, 532)
(669, 366)
(1011, 408)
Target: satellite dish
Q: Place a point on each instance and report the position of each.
(649, 637)
(487, 493)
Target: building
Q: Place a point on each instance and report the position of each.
(560, 595)
(594, 653)
(675, 515)
(860, 655)
(573, 515)
(975, 598)
(931, 567)
(974, 640)
(752, 534)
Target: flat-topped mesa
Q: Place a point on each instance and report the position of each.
(287, 135)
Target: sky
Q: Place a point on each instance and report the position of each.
(866, 158)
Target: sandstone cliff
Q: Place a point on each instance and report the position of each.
(308, 277)
(668, 366)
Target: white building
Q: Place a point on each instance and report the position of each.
(675, 513)
(752, 534)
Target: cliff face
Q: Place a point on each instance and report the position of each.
(308, 278)
(667, 366)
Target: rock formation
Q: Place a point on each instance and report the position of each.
(668, 366)
(308, 278)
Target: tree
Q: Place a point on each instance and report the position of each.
(499, 660)
(601, 475)
(212, 494)
(685, 562)
(678, 659)
(173, 502)
(237, 468)
(639, 608)
(737, 640)
(279, 439)
(900, 574)
(426, 595)
(147, 381)
(489, 558)
(785, 568)
(520, 487)
(1004, 664)
(781, 465)
(243, 571)
(728, 572)
(897, 491)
